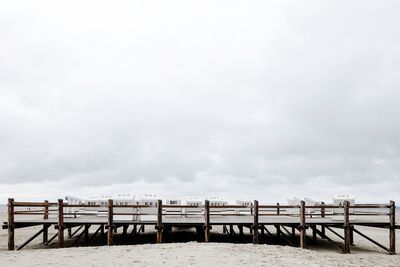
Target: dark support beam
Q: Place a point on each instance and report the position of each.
(69, 231)
(95, 233)
(60, 223)
(231, 231)
(372, 241)
(207, 221)
(102, 231)
(302, 225)
(266, 230)
(11, 237)
(293, 231)
(352, 235)
(30, 239)
(240, 230)
(335, 233)
(159, 221)
(46, 227)
(346, 227)
(278, 228)
(134, 230)
(86, 235)
(323, 216)
(110, 223)
(224, 229)
(314, 234)
(51, 239)
(125, 230)
(284, 236)
(76, 231)
(392, 229)
(330, 240)
(255, 223)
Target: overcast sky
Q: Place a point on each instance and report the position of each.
(249, 99)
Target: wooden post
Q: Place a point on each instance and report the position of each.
(278, 227)
(110, 223)
(255, 223)
(302, 224)
(159, 221)
(206, 221)
(102, 230)
(86, 235)
(323, 216)
(314, 234)
(392, 233)
(45, 217)
(346, 227)
(11, 245)
(352, 235)
(60, 223)
(293, 231)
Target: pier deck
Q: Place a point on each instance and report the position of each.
(298, 219)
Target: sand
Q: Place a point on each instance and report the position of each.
(197, 253)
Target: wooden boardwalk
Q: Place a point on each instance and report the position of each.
(287, 220)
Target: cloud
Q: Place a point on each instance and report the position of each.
(202, 98)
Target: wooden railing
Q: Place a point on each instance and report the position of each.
(57, 209)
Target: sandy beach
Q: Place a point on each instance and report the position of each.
(195, 253)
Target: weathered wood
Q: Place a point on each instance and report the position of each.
(86, 235)
(51, 239)
(76, 231)
(314, 234)
(302, 224)
(255, 223)
(392, 229)
(285, 237)
(95, 233)
(30, 239)
(323, 216)
(11, 230)
(45, 227)
(159, 221)
(372, 241)
(333, 232)
(207, 221)
(60, 223)
(330, 240)
(346, 227)
(110, 223)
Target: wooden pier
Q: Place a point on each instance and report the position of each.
(340, 221)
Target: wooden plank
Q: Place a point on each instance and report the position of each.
(45, 227)
(11, 230)
(95, 233)
(206, 220)
(86, 233)
(51, 239)
(392, 229)
(159, 221)
(255, 223)
(76, 231)
(346, 227)
(60, 223)
(372, 241)
(30, 239)
(323, 216)
(110, 223)
(302, 224)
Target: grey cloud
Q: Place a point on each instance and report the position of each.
(269, 94)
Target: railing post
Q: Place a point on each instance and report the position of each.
(323, 216)
(302, 224)
(45, 217)
(11, 245)
(346, 227)
(60, 223)
(392, 233)
(110, 223)
(207, 221)
(255, 223)
(278, 227)
(159, 221)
